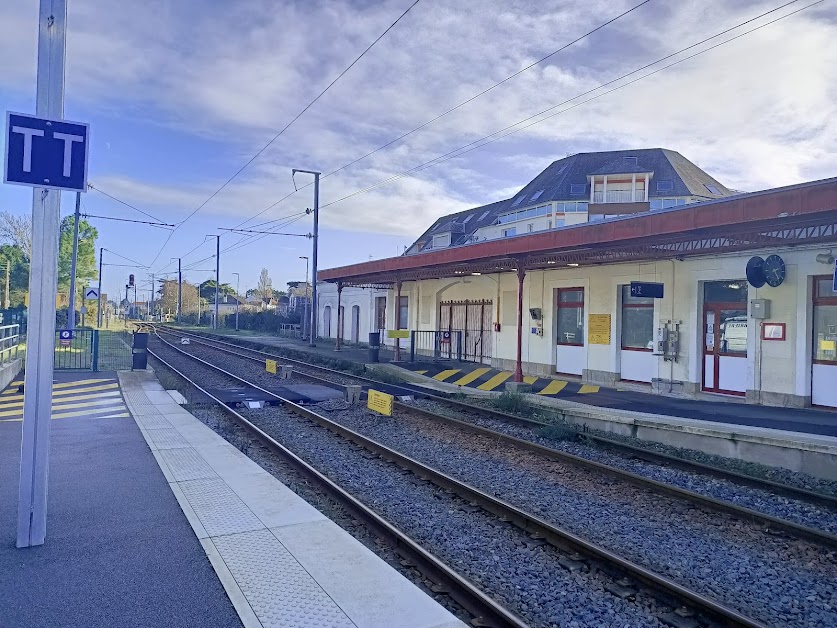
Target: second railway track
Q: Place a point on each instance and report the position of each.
(732, 564)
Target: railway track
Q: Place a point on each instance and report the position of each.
(769, 522)
(606, 560)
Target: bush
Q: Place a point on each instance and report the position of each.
(512, 402)
(558, 431)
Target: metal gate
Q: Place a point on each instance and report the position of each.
(473, 319)
(93, 350)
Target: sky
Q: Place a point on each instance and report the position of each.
(180, 94)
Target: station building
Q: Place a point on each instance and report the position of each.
(733, 293)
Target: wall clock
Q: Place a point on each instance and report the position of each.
(774, 270)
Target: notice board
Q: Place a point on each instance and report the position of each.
(598, 329)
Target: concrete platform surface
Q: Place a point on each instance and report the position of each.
(118, 551)
(282, 562)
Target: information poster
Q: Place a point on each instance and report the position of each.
(598, 329)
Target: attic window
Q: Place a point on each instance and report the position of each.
(517, 201)
(712, 188)
(662, 186)
(536, 195)
(577, 188)
(630, 159)
(467, 218)
(484, 214)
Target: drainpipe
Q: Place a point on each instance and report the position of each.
(339, 346)
(518, 368)
(398, 319)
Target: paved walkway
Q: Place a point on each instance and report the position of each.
(282, 562)
(118, 550)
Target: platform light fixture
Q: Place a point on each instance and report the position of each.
(825, 258)
(573, 264)
(476, 274)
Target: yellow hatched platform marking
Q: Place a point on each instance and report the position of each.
(67, 415)
(530, 379)
(55, 393)
(446, 374)
(553, 387)
(470, 377)
(81, 382)
(417, 372)
(495, 381)
(18, 401)
(116, 403)
(586, 389)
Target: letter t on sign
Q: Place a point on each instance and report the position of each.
(27, 144)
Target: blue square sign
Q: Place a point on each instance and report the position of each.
(46, 153)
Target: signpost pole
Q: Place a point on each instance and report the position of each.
(99, 298)
(71, 310)
(40, 343)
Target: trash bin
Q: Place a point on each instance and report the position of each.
(139, 351)
(375, 346)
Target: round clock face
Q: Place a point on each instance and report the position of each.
(755, 272)
(774, 270)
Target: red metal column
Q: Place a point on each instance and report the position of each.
(518, 369)
(398, 319)
(339, 317)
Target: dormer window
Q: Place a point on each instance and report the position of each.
(630, 160)
(577, 188)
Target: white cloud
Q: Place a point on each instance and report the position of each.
(756, 113)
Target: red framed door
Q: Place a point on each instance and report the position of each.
(725, 331)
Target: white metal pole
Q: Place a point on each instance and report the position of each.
(99, 307)
(305, 289)
(217, 278)
(316, 238)
(71, 310)
(40, 343)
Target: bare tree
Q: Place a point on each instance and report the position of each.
(17, 230)
(264, 289)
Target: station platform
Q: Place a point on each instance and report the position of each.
(118, 551)
(281, 561)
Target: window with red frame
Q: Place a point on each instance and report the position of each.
(825, 321)
(637, 322)
(570, 314)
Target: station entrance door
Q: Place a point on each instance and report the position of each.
(725, 331)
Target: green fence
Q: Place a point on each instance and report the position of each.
(93, 350)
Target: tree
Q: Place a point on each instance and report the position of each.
(17, 230)
(168, 296)
(19, 284)
(264, 289)
(86, 266)
(207, 289)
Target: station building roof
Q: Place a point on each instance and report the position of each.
(799, 214)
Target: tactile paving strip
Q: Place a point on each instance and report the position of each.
(280, 591)
(186, 464)
(219, 509)
(152, 421)
(167, 438)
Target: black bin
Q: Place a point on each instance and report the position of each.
(139, 351)
(375, 346)
(140, 340)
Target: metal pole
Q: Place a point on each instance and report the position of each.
(99, 308)
(237, 293)
(313, 341)
(518, 369)
(217, 278)
(152, 296)
(40, 343)
(8, 279)
(398, 319)
(339, 316)
(179, 290)
(71, 311)
(305, 321)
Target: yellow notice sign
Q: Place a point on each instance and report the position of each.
(398, 333)
(380, 402)
(270, 366)
(598, 329)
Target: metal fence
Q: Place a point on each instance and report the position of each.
(10, 341)
(93, 350)
(474, 320)
(436, 345)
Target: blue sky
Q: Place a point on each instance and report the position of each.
(180, 94)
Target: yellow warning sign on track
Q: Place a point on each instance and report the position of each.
(380, 402)
(270, 366)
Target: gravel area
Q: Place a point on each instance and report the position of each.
(819, 517)
(776, 580)
(521, 572)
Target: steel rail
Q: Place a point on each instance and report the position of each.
(786, 490)
(555, 535)
(742, 512)
(458, 587)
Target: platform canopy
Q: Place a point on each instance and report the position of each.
(794, 215)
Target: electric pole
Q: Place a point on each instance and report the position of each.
(180, 291)
(71, 311)
(217, 278)
(99, 309)
(313, 328)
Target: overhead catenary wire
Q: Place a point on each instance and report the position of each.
(161, 225)
(484, 141)
(119, 200)
(293, 120)
(458, 106)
